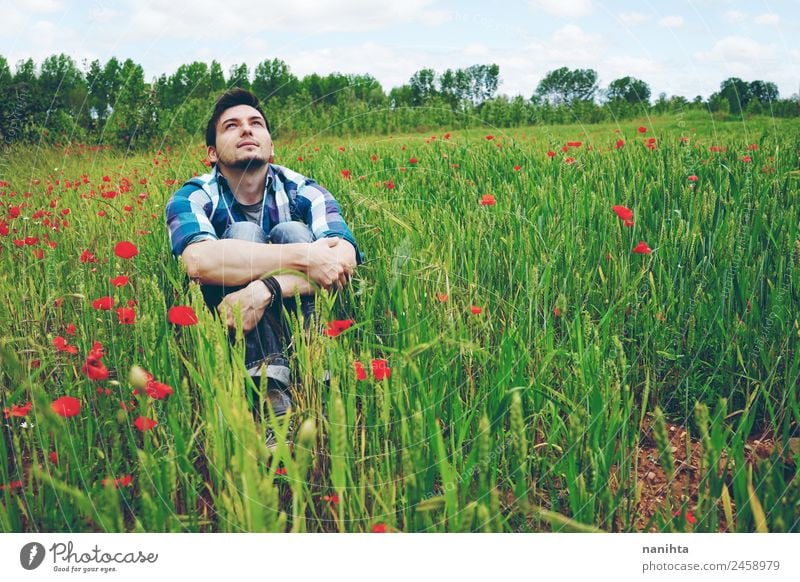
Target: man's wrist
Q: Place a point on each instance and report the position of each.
(264, 294)
(296, 258)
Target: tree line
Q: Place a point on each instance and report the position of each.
(112, 102)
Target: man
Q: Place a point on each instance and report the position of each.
(219, 224)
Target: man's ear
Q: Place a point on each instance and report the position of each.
(212, 154)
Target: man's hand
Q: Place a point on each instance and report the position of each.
(331, 262)
(253, 301)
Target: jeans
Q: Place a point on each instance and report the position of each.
(268, 344)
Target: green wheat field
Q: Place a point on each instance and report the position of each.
(523, 356)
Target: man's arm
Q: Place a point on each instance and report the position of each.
(235, 262)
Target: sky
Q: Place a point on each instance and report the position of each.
(679, 47)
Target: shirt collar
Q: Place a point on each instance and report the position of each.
(226, 191)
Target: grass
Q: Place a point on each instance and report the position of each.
(526, 416)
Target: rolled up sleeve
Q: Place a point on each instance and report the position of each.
(187, 215)
(323, 214)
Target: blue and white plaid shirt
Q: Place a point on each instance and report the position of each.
(205, 206)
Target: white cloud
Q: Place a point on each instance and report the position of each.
(633, 18)
(769, 18)
(671, 22)
(571, 39)
(564, 8)
(241, 19)
(739, 50)
(44, 6)
(476, 50)
(735, 16)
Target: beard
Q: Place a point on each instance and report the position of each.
(247, 164)
(244, 161)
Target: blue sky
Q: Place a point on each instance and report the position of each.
(680, 47)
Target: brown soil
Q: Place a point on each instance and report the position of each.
(686, 484)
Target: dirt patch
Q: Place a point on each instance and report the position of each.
(687, 453)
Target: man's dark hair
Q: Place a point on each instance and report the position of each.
(231, 98)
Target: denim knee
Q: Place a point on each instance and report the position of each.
(290, 232)
(247, 231)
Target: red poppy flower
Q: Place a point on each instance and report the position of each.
(642, 129)
(71, 329)
(280, 471)
(334, 499)
(66, 406)
(556, 312)
(144, 424)
(126, 315)
(620, 144)
(182, 315)
(361, 373)
(120, 281)
(574, 144)
(379, 528)
(569, 160)
(412, 160)
(475, 310)
(747, 159)
(623, 212)
(53, 457)
(94, 369)
(346, 174)
(489, 137)
(157, 390)
(18, 410)
(381, 369)
(389, 185)
(692, 178)
(103, 303)
(60, 344)
(87, 257)
(517, 168)
(97, 351)
(551, 154)
(126, 250)
(121, 482)
(642, 248)
(442, 297)
(337, 326)
(488, 200)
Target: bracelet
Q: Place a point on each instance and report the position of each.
(274, 288)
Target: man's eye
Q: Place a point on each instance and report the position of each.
(229, 125)
(258, 122)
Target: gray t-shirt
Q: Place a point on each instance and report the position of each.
(252, 212)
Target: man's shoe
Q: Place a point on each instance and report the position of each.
(272, 441)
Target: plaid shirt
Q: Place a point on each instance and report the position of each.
(204, 207)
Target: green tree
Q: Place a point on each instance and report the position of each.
(563, 86)
(423, 86)
(630, 90)
(274, 79)
(737, 93)
(764, 92)
(239, 76)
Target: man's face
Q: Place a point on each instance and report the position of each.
(243, 141)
